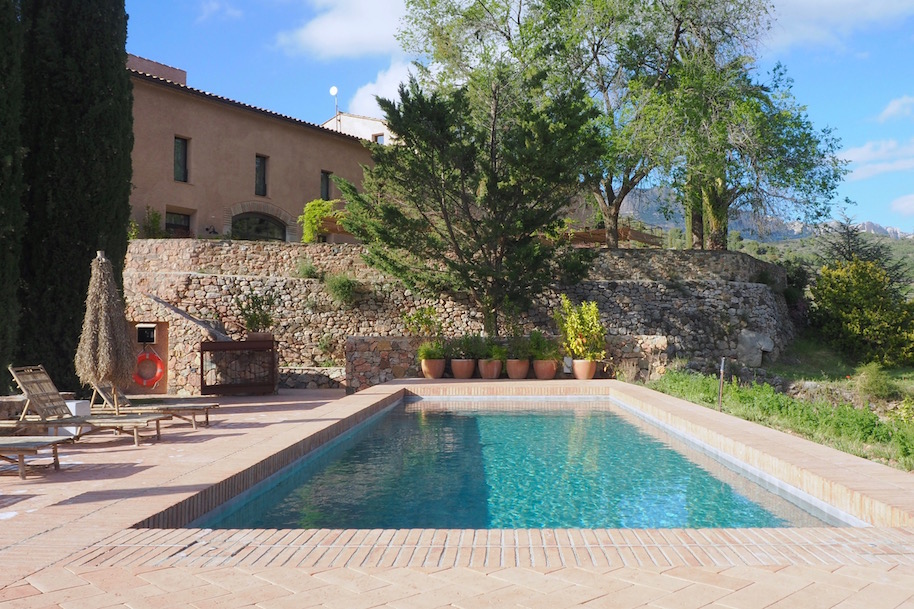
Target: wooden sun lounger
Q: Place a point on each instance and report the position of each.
(45, 409)
(13, 449)
(186, 411)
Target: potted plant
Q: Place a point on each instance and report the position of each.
(491, 364)
(545, 354)
(431, 359)
(256, 315)
(518, 362)
(583, 336)
(465, 350)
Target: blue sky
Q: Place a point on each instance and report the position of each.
(852, 62)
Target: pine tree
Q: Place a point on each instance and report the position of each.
(78, 132)
(11, 216)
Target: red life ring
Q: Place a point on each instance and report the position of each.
(156, 377)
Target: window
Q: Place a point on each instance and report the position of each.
(258, 227)
(177, 225)
(260, 176)
(180, 159)
(378, 138)
(325, 185)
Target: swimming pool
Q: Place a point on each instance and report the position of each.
(581, 464)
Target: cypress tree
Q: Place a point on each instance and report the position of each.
(78, 131)
(11, 215)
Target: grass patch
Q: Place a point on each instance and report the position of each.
(858, 431)
(808, 358)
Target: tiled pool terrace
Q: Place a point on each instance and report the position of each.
(69, 538)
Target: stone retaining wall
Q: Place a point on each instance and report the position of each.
(656, 304)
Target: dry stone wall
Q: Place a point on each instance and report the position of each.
(656, 304)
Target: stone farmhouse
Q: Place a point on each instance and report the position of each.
(212, 166)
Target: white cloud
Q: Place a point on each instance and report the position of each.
(904, 205)
(901, 106)
(385, 85)
(829, 22)
(214, 8)
(346, 28)
(876, 158)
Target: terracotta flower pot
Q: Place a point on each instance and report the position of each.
(490, 368)
(545, 368)
(432, 368)
(517, 368)
(463, 368)
(584, 369)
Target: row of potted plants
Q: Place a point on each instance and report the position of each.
(467, 351)
(583, 338)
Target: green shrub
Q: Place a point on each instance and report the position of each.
(423, 322)
(312, 218)
(874, 383)
(582, 330)
(543, 347)
(519, 347)
(255, 311)
(859, 312)
(468, 346)
(342, 288)
(151, 227)
(433, 349)
(305, 269)
(495, 350)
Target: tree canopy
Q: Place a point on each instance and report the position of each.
(671, 80)
(478, 178)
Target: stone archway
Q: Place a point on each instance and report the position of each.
(293, 230)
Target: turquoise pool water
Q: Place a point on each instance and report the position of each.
(583, 466)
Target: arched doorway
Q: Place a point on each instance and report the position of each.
(252, 226)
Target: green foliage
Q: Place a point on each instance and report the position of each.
(748, 143)
(543, 347)
(305, 269)
(313, 217)
(467, 346)
(519, 347)
(77, 127)
(873, 382)
(433, 349)
(256, 311)
(856, 430)
(342, 288)
(152, 227)
(857, 310)
(479, 173)
(423, 321)
(12, 216)
(495, 350)
(582, 330)
(845, 241)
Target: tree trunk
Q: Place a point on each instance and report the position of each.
(696, 228)
(716, 205)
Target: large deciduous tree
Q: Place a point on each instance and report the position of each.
(478, 176)
(746, 146)
(624, 52)
(11, 214)
(78, 134)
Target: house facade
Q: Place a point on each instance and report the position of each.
(211, 166)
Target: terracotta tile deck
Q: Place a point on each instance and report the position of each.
(67, 538)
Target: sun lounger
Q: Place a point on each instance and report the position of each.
(13, 449)
(45, 409)
(114, 401)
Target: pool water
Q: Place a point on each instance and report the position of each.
(431, 466)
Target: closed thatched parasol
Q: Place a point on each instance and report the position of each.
(106, 353)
